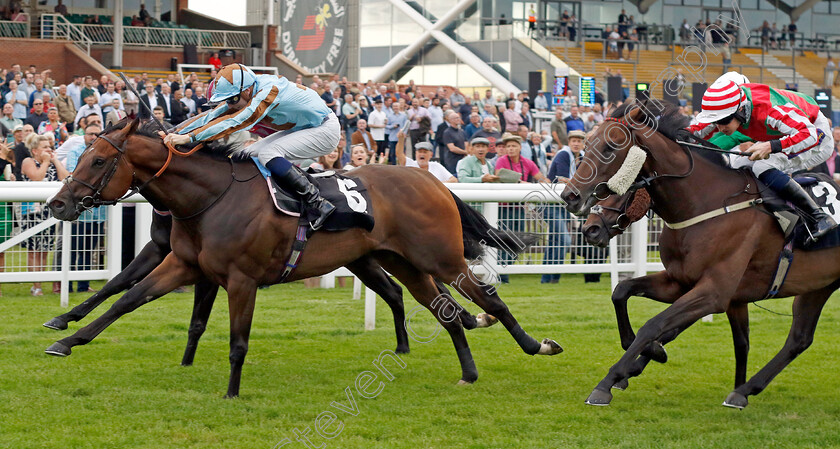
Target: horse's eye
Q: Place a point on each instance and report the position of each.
(99, 162)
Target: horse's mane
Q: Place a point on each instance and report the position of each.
(665, 118)
(149, 128)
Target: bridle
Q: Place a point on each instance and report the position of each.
(95, 199)
(622, 222)
(645, 181)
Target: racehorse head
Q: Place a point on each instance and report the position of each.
(615, 154)
(612, 216)
(103, 174)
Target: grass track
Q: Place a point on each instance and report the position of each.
(126, 389)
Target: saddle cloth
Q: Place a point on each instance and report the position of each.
(353, 208)
(824, 191)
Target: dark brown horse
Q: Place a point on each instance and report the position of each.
(710, 266)
(225, 233)
(610, 218)
(158, 248)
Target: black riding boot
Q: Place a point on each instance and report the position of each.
(822, 222)
(315, 205)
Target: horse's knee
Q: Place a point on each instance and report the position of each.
(237, 353)
(800, 342)
(622, 291)
(197, 329)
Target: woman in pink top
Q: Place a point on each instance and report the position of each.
(527, 169)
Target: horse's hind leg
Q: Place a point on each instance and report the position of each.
(445, 310)
(372, 275)
(486, 297)
(150, 257)
(205, 296)
(169, 275)
(469, 321)
(806, 313)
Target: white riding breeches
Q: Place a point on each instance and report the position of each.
(309, 143)
(805, 161)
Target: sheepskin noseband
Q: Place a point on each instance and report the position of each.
(629, 170)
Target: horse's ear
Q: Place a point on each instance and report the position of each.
(132, 126)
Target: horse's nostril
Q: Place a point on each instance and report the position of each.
(57, 205)
(592, 231)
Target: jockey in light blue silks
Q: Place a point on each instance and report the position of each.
(298, 123)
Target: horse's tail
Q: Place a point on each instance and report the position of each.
(477, 231)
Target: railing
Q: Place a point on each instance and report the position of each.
(168, 37)
(15, 29)
(530, 208)
(55, 26)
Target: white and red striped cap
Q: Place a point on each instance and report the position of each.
(720, 101)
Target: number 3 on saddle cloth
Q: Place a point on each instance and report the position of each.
(824, 191)
(353, 208)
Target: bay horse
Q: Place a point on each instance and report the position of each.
(226, 232)
(611, 217)
(158, 247)
(710, 266)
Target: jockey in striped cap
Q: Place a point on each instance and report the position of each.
(295, 122)
(791, 134)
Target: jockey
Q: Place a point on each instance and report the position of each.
(267, 104)
(791, 134)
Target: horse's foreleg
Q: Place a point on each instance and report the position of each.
(205, 296)
(739, 321)
(488, 299)
(806, 312)
(242, 294)
(658, 287)
(372, 275)
(703, 300)
(169, 275)
(150, 257)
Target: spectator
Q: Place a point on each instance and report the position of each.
(559, 130)
(527, 118)
(41, 166)
(152, 99)
(60, 8)
(396, 121)
(160, 114)
(415, 114)
(90, 108)
(792, 33)
(106, 99)
(377, 122)
(474, 125)
(18, 99)
(200, 99)
(435, 114)
(454, 142)
(350, 112)
(572, 29)
(358, 157)
(541, 103)
(331, 161)
(37, 116)
(88, 228)
(189, 102)
(475, 167)
(54, 126)
(489, 131)
(66, 107)
(21, 133)
(456, 99)
(178, 109)
(38, 92)
(512, 118)
(538, 155)
(167, 100)
(115, 115)
(364, 138)
(564, 24)
(74, 91)
(145, 16)
(424, 152)
(88, 90)
(573, 121)
(685, 31)
(136, 22)
(9, 122)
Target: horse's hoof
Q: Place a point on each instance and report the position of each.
(599, 398)
(58, 349)
(656, 352)
(735, 400)
(402, 350)
(549, 347)
(485, 320)
(622, 384)
(232, 396)
(56, 324)
(465, 382)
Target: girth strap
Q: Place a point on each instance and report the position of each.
(714, 213)
(304, 231)
(785, 261)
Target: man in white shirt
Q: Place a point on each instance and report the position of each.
(166, 94)
(89, 108)
(435, 114)
(189, 102)
(106, 100)
(74, 91)
(424, 152)
(541, 103)
(377, 120)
